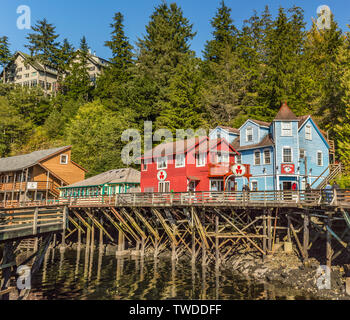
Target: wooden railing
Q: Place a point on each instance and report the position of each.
(22, 186)
(252, 198)
(25, 222)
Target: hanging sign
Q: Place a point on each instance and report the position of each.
(162, 175)
(238, 170)
(32, 185)
(287, 168)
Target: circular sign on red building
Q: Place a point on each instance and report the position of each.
(238, 170)
(162, 175)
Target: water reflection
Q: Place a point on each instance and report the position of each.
(91, 274)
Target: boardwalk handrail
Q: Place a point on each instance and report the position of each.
(277, 198)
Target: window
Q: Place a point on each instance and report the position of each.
(179, 160)
(239, 158)
(33, 83)
(144, 164)
(257, 157)
(162, 163)
(26, 75)
(267, 157)
(19, 70)
(201, 159)
(319, 158)
(249, 134)
(308, 133)
(164, 186)
(223, 158)
(64, 159)
(254, 185)
(216, 185)
(27, 68)
(19, 77)
(34, 74)
(287, 155)
(286, 129)
(302, 153)
(218, 135)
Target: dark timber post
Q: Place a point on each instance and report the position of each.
(204, 249)
(193, 260)
(329, 252)
(217, 258)
(269, 231)
(306, 236)
(101, 234)
(289, 237)
(264, 234)
(121, 242)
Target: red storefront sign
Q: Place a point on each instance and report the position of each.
(287, 168)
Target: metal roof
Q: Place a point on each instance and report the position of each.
(115, 176)
(27, 160)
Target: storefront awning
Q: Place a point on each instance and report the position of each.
(191, 178)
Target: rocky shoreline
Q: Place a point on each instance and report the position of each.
(286, 269)
(280, 270)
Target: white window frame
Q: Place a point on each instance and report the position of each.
(291, 154)
(238, 156)
(222, 157)
(308, 132)
(159, 161)
(300, 153)
(67, 159)
(317, 153)
(180, 164)
(200, 160)
(162, 184)
(286, 129)
(269, 151)
(251, 185)
(255, 158)
(247, 134)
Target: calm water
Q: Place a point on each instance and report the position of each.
(74, 275)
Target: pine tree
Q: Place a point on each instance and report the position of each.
(5, 55)
(77, 84)
(64, 59)
(112, 84)
(225, 34)
(163, 48)
(43, 46)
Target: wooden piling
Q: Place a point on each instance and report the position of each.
(217, 257)
(306, 236)
(329, 251)
(264, 234)
(101, 234)
(193, 237)
(269, 231)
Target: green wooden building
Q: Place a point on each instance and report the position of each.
(108, 183)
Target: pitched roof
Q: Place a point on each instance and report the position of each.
(124, 175)
(285, 113)
(229, 129)
(261, 123)
(265, 142)
(302, 120)
(27, 160)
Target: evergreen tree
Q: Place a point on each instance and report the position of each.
(64, 59)
(112, 84)
(77, 84)
(163, 48)
(5, 55)
(225, 34)
(43, 46)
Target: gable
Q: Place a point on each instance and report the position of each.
(315, 129)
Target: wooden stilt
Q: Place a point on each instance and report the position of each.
(306, 236)
(8, 259)
(265, 236)
(269, 231)
(217, 258)
(193, 238)
(101, 234)
(289, 237)
(329, 252)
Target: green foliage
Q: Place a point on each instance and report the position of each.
(344, 182)
(245, 73)
(95, 133)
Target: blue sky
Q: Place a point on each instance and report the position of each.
(75, 18)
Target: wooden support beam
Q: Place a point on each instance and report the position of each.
(94, 220)
(115, 224)
(306, 235)
(329, 251)
(297, 241)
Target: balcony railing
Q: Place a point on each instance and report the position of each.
(23, 186)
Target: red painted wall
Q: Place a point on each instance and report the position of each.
(178, 176)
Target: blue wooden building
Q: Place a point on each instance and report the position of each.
(288, 152)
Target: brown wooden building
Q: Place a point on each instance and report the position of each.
(38, 175)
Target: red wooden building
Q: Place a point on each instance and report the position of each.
(196, 164)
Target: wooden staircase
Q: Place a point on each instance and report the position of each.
(334, 171)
